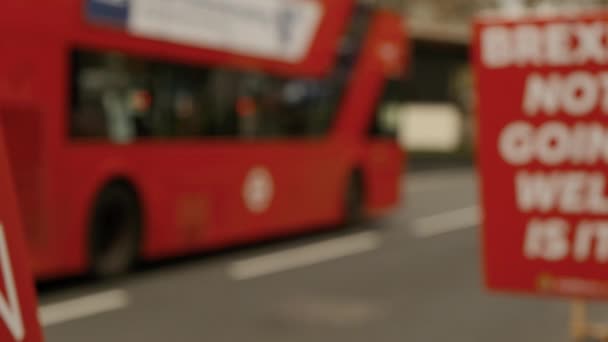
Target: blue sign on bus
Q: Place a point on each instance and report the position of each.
(112, 12)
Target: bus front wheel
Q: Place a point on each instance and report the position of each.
(115, 231)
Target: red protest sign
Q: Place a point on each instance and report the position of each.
(542, 85)
(18, 310)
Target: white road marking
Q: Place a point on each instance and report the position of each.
(446, 222)
(304, 256)
(424, 187)
(70, 310)
(437, 182)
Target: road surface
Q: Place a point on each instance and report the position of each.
(413, 276)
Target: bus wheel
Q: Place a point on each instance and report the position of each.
(354, 200)
(115, 231)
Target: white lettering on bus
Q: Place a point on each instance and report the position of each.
(258, 190)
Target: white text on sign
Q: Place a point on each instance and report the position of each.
(554, 44)
(573, 137)
(548, 240)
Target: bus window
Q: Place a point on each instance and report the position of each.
(222, 102)
(179, 107)
(305, 106)
(111, 97)
(123, 98)
(385, 120)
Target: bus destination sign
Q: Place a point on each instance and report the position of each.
(274, 29)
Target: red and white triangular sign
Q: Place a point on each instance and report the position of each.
(10, 310)
(18, 306)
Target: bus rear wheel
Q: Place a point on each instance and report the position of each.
(114, 231)
(354, 200)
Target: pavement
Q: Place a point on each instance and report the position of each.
(411, 276)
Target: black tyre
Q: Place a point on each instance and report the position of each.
(115, 229)
(354, 200)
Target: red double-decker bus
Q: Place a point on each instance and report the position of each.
(153, 128)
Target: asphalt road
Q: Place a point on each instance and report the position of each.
(412, 276)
